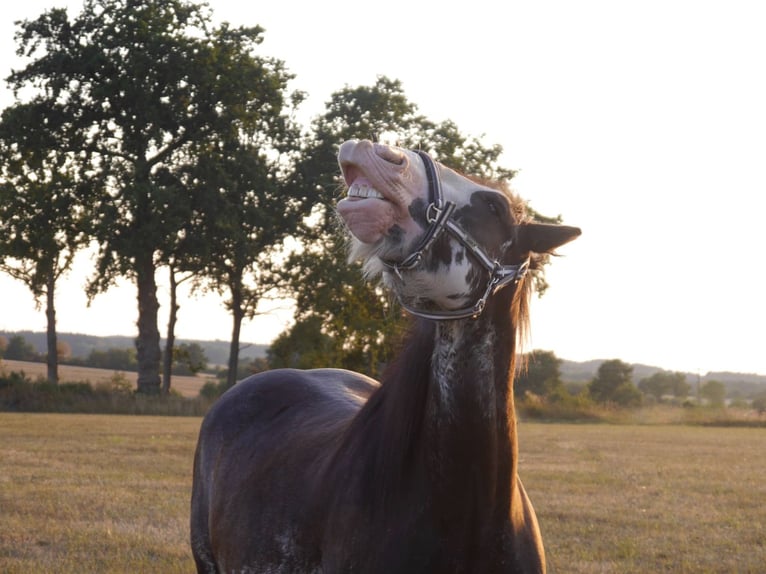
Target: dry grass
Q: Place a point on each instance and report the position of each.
(638, 499)
(187, 386)
(91, 493)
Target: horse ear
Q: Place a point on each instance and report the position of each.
(544, 237)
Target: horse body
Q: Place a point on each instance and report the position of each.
(328, 490)
(328, 471)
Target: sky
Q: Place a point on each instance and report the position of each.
(643, 123)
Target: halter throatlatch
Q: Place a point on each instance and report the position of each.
(439, 216)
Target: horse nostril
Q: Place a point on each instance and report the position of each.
(389, 154)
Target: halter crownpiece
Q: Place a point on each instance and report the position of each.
(439, 216)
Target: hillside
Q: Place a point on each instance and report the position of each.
(217, 352)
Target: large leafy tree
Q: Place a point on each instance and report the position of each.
(358, 325)
(40, 211)
(147, 83)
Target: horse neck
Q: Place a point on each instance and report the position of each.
(443, 417)
(470, 430)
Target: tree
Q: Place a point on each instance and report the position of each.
(680, 386)
(664, 383)
(41, 214)
(627, 395)
(714, 392)
(360, 325)
(115, 359)
(304, 346)
(19, 349)
(613, 383)
(168, 357)
(147, 84)
(189, 358)
(542, 375)
(247, 207)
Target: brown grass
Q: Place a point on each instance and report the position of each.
(92, 493)
(638, 499)
(95, 493)
(188, 386)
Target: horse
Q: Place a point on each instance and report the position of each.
(329, 471)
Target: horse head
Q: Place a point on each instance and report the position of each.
(443, 242)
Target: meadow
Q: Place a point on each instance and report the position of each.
(109, 493)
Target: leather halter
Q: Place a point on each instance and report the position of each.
(439, 216)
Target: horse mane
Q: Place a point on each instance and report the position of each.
(379, 440)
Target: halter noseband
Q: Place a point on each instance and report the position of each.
(439, 216)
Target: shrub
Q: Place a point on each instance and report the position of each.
(211, 390)
(117, 384)
(19, 393)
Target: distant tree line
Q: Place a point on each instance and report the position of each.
(614, 384)
(539, 378)
(168, 144)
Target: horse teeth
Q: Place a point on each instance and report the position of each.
(364, 191)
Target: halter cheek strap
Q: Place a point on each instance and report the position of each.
(439, 217)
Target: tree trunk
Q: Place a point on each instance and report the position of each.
(167, 359)
(50, 313)
(148, 341)
(237, 315)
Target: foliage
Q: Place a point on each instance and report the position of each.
(189, 359)
(714, 392)
(41, 215)
(561, 406)
(113, 359)
(170, 142)
(613, 383)
(18, 349)
(304, 346)
(148, 90)
(664, 383)
(541, 375)
(211, 391)
(347, 321)
(19, 393)
(244, 370)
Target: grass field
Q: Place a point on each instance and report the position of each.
(187, 386)
(92, 493)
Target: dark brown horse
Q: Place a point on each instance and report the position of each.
(329, 471)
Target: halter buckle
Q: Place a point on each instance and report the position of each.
(433, 213)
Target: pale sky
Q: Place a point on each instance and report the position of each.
(644, 123)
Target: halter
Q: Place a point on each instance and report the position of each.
(439, 216)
